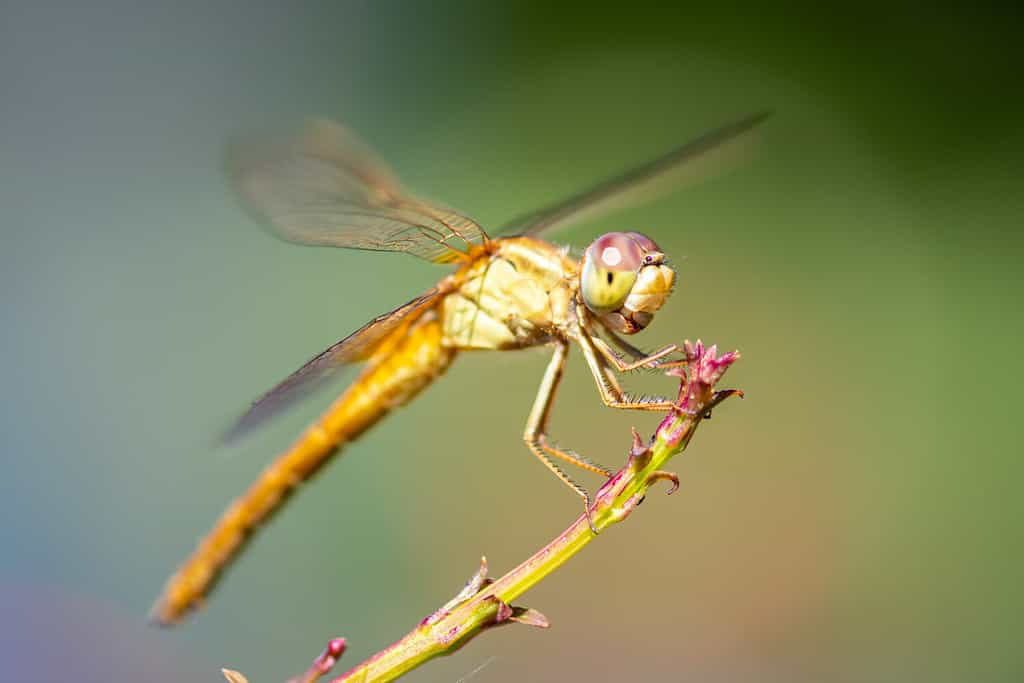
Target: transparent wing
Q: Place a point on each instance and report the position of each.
(326, 187)
(691, 162)
(358, 346)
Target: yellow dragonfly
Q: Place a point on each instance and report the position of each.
(325, 187)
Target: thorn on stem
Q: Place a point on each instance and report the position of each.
(639, 451)
(521, 615)
(476, 582)
(322, 665)
(661, 475)
(720, 396)
(504, 611)
(529, 617)
(638, 448)
(481, 573)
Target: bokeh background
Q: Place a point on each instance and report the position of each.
(857, 518)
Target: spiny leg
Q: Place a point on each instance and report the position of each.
(611, 393)
(571, 456)
(535, 434)
(641, 360)
(622, 344)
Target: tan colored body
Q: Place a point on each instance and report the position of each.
(518, 293)
(325, 187)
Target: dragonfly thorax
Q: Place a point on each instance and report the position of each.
(520, 294)
(624, 280)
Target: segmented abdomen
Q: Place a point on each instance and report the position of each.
(400, 367)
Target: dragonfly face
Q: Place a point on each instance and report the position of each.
(624, 280)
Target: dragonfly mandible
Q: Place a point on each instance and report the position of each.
(325, 187)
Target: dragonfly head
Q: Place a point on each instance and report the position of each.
(624, 280)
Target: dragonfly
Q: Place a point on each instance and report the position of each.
(514, 290)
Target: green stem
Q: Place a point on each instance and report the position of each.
(486, 603)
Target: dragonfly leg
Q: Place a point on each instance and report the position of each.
(536, 438)
(608, 386)
(647, 361)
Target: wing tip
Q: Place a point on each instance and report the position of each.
(241, 427)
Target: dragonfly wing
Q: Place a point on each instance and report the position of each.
(358, 346)
(689, 163)
(326, 187)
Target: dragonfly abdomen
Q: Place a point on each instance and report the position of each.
(399, 369)
(402, 366)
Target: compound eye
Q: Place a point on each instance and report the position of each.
(616, 251)
(609, 272)
(645, 242)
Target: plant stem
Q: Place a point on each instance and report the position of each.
(484, 603)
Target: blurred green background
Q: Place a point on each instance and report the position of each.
(856, 518)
